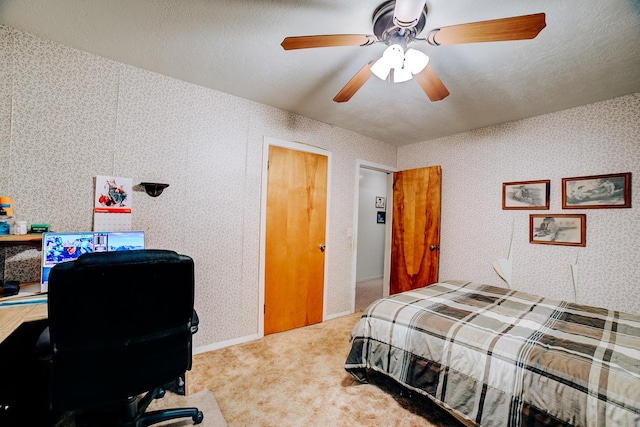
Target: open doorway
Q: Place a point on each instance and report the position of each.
(413, 260)
(373, 232)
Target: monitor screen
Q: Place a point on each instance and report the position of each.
(62, 247)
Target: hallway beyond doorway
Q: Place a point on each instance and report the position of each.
(367, 292)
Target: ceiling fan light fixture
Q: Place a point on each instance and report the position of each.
(381, 68)
(415, 61)
(404, 65)
(407, 12)
(401, 75)
(393, 57)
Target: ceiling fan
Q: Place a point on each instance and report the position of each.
(397, 24)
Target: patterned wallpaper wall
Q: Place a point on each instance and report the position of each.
(67, 116)
(595, 139)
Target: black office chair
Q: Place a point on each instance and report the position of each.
(120, 325)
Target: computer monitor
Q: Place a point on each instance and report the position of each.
(63, 247)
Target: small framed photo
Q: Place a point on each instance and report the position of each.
(381, 217)
(380, 202)
(558, 229)
(526, 195)
(597, 191)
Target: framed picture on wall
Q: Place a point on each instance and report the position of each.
(381, 217)
(597, 191)
(380, 202)
(526, 195)
(558, 229)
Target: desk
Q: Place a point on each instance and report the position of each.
(12, 317)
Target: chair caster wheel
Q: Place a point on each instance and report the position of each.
(197, 418)
(161, 393)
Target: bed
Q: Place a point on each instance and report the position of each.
(498, 357)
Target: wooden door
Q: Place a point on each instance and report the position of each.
(295, 238)
(415, 227)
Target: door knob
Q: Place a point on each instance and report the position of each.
(434, 247)
(322, 247)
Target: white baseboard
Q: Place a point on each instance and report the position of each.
(333, 316)
(223, 344)
(366, 279)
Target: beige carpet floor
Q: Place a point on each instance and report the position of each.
(297, 378)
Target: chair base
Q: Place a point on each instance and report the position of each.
(134, 414)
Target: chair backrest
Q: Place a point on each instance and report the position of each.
(119, 324)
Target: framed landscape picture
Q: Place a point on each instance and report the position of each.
(558, 229)
(597, 191)
(526, 195)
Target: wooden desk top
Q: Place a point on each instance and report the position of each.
(34, 240)
(12, 317)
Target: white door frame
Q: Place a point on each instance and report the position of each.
(365, 164)
(268, 142)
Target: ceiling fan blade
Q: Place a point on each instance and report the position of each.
(431, 84)
(354, 84)
(496, 30)
(306, 42)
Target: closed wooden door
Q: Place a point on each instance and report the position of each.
(295, 238)
(415, 228)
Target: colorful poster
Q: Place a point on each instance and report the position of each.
(112, 204)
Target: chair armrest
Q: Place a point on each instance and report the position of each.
(44, 348)
(194, 322)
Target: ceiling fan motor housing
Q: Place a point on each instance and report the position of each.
(407, 12)
(390, 32)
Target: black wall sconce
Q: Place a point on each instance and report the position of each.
(153, 189)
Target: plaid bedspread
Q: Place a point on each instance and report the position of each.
(501, 357)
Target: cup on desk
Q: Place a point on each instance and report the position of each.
(20, 227)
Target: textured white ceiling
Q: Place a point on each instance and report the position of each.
(589, 51)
